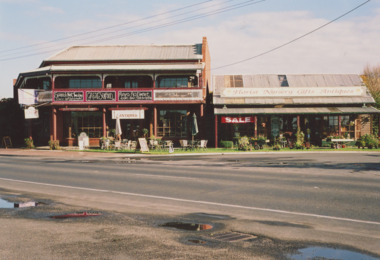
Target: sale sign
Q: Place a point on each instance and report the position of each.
(238, 119)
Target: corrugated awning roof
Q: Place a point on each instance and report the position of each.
(249, 89)
(117, 67)
(129, 52)
(296, 110)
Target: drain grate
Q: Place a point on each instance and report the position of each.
(233, 237)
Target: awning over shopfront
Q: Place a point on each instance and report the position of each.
(296, 111)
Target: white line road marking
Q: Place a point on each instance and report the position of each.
(197, 201)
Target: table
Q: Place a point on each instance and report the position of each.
(337, 143)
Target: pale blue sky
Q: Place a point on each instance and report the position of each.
(28, 27)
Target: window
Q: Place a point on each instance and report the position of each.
(85, 83)
(131, 84)
(283, 80)
(333, 124)
(173, 123)
(348, 126)
(78, 82)
(177, 82)
(89, 122)
(116, 81)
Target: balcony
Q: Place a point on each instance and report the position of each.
(127, 96)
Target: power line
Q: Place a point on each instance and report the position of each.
(106, 28)
(186, 19)
(294, 40)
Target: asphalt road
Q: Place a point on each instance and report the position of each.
(330, 198)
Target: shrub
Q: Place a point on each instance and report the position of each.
(244, 143)
(29, 143)
(54, 145)
(226, 144)
(368, 140)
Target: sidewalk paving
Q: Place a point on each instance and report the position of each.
(75, 154)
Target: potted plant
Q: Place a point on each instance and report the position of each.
(244, 143)
(145, 132)
(261, 141)
(300, 139)
(104, 142)
(29, 143)
(54, 145)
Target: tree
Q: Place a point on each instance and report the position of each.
(371, 78)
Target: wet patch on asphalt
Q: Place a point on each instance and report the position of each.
(283, 224)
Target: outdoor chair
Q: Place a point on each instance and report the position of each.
(153, 144)
(168, 144)
(117, 145)
(202, 145)
(133, 145)
(184, 144)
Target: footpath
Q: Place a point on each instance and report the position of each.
(70, 153)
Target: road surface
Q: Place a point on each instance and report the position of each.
(328, 198)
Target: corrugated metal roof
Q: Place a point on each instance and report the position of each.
(296, 110)
(294, 81)
(221, 82)
(129, 52)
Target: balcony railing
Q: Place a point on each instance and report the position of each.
(124, 95)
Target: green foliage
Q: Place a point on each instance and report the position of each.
(29, 143)
(244, 143)
(300, 139)
(145, 131)
(54, 145)
(226, 144)
(367, 140)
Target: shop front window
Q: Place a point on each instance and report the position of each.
(173, 123)
(333, 125)
(89, 122)
(348, 126)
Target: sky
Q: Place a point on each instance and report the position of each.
(244, 36)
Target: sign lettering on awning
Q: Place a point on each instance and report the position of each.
(293, 92)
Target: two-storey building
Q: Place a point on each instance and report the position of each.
(84, 89)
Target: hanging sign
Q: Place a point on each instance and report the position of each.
(128, 114)
(31, 113)
(238, 119)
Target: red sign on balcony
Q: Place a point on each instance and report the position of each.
(238, 119)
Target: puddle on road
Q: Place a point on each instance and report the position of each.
(6, 204)
(188, 226)
(329, 253)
